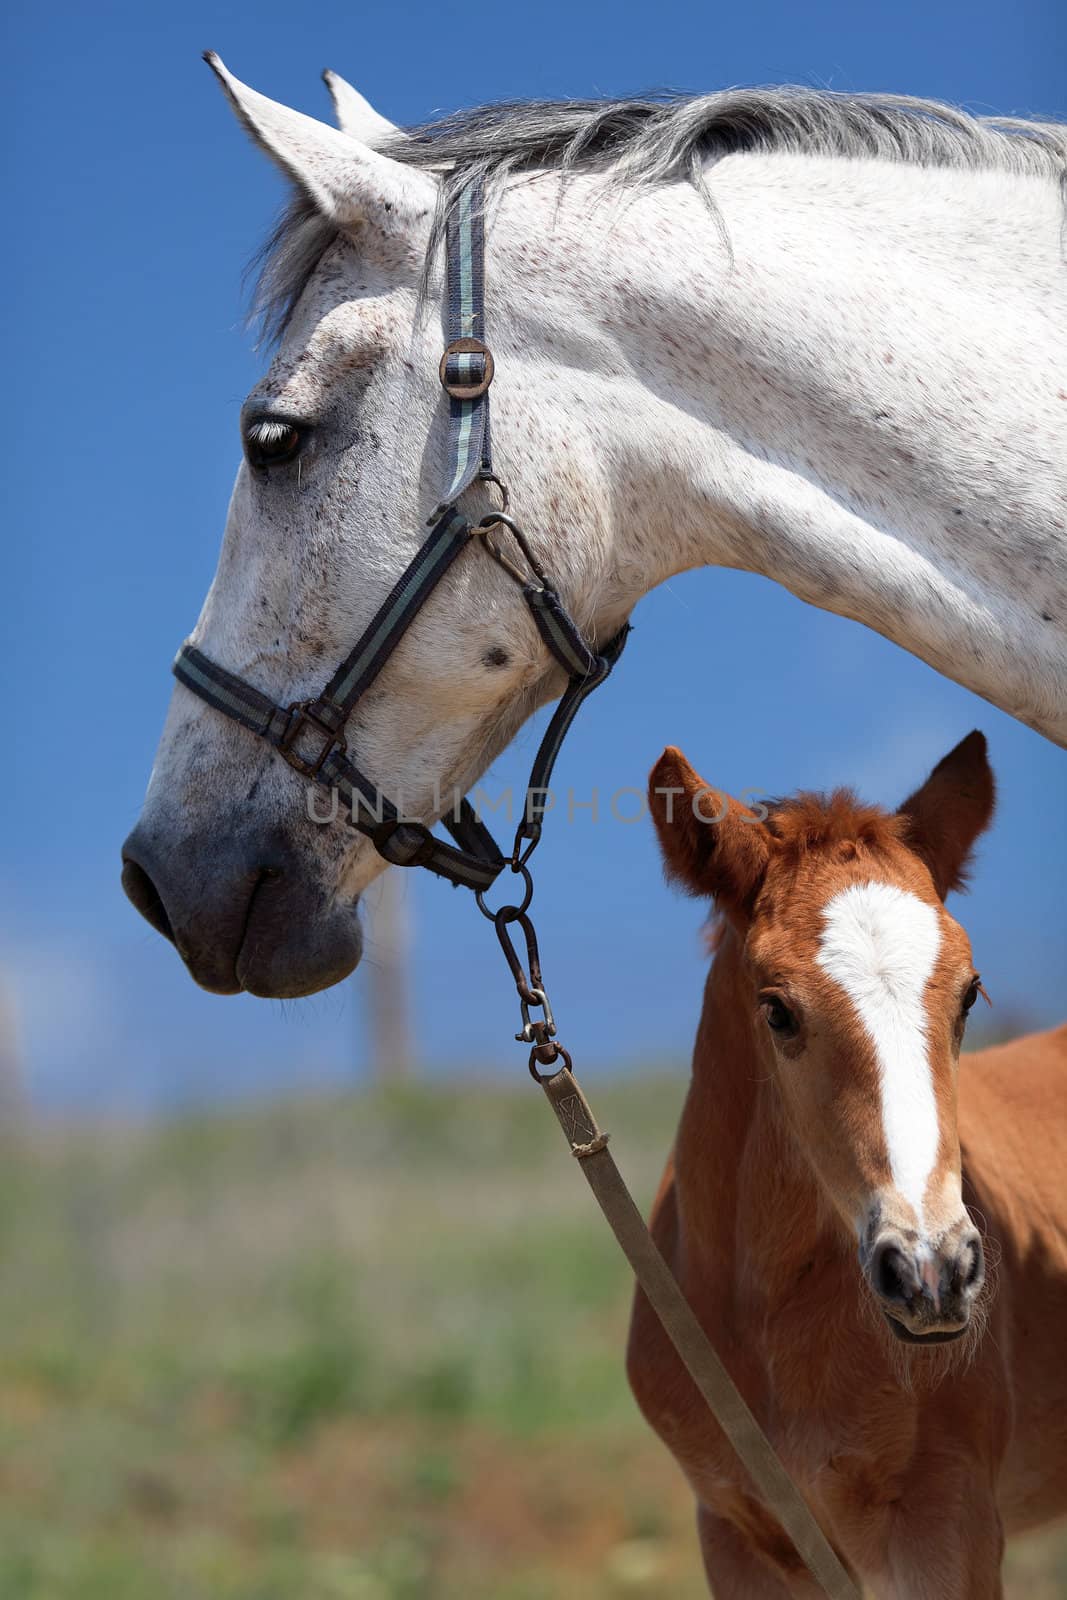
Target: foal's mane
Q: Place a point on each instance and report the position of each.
(665, 138)
(812, 822)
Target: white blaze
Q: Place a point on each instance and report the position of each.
(880, 944)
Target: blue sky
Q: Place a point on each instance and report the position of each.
(135, 202)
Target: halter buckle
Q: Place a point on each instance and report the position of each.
(466, 369)
(309, 712)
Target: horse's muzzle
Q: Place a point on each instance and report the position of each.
(927, 1292)
(243, 915)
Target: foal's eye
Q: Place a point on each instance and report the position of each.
(778, 1017)
(269, 443)
(974, 989)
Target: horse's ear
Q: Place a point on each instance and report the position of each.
(954, 806)
(356, 116)
(711, 843)
(346, 180)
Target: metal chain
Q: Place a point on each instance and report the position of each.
(538, 1032)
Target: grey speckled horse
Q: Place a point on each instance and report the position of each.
(814, 336)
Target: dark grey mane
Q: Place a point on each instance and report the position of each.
(667, 138)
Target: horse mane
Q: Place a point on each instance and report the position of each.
(659, 139)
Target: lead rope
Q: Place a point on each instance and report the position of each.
(658, 1284)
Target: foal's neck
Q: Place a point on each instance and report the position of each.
(752, 1207)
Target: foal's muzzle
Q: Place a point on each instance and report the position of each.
(927, 1292)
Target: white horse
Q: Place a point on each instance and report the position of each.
(813, 336)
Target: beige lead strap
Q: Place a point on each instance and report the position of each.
(689, 1339)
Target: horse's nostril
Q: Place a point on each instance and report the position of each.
(892, 1274)
(142, 893)
(972, 1263)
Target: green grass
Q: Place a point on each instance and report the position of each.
(366, 1348)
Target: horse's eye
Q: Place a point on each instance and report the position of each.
(778, 1017)
(269, 443)
(974, 989)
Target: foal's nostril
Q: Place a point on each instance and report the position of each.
(893, 1274)
(970, 1266)
(143, 894)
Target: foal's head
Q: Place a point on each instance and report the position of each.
(861, 983)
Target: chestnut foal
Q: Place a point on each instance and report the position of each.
(923, 1416)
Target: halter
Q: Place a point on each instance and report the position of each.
(310, 734)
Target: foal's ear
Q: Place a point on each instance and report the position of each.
(347, 181)
(711, 843)
(952, 808)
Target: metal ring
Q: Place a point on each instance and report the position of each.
(519, 857)
(501, 517)
(561, 1052)
(467, 391)
(491, 477)
(515, 911)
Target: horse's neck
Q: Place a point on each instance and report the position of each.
(860, 397)
(752, 1212)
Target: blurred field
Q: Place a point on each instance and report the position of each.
(359, 1349)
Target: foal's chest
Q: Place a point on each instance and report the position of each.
(850, 1455)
